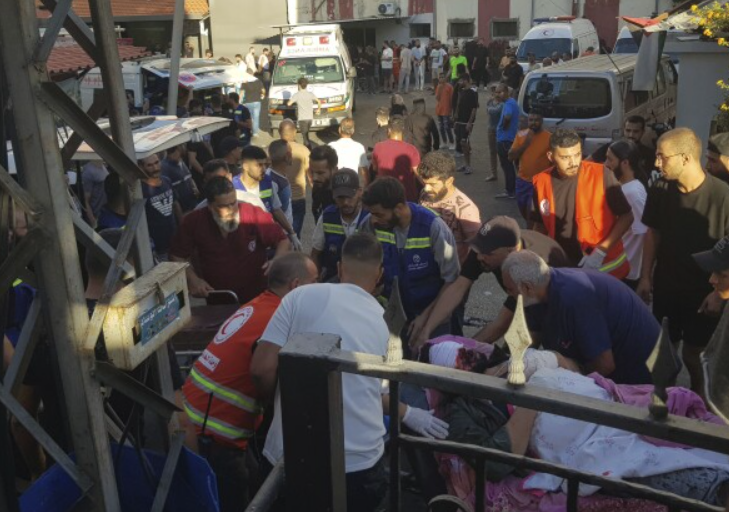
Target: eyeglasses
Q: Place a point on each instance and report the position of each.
(663, 158)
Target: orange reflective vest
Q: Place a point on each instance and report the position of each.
(220, 383)
(592, 215)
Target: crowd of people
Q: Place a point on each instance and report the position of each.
(608, 245)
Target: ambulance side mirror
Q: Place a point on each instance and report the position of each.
(352, 72)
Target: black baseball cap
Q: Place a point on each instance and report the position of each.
(495, 233)
(345, 182)
(715, 260)
(228, 144)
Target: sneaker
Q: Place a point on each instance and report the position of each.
(462, 168)
(458, 154)
(452, 147)
(467, 170)
(503, 195)
(490, 177)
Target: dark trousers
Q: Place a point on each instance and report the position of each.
(231, 472)
(507, 166)
(446, 132)
(298, 210)
(304, 127)
(480, 75)
(365, 489)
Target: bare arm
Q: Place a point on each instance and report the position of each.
(197, 286)
(450, 296)
(621, 226)
(651, 242)
(364, 176)
(264, 369)
(497, 328)
(519, 427)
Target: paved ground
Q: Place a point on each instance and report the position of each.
(486, 297)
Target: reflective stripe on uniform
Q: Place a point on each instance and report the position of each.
(334, 229)
(264, 194)
(609, 267)
(17, 282)
(215, 425)
(385, 237)
(417, 243)
(224, 393)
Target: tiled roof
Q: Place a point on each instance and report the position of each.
(68, 59)
(138, 8)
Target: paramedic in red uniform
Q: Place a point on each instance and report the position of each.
(220, 398)
(581, 206)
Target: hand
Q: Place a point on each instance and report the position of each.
(469, 127)
(594, 260)
(425, 423)
(713, 305)
(416, 331)
(295, 243)
(199, 287)
(644, 290)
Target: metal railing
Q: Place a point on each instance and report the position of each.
(310, 370)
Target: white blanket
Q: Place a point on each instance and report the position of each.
(598, 449)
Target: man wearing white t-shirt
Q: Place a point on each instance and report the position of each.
(350, 153)
(437, 54)
(419, 63)
(349, 311)
(406, 67)
(386, 61)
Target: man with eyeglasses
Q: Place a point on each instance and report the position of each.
(687, 211)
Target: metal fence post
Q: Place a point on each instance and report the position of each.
(313, 427)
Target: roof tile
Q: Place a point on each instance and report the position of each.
(68, 59)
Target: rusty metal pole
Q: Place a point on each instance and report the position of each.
(57, 264)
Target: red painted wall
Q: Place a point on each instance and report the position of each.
(487, 10)
(346, 9)
(420, 7)
(604, 15)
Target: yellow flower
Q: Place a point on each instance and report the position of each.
(721, 41)
(694, 8)
(710, 15)
(702, 23)
(707, 33)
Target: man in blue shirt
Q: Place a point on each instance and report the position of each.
(505, 135)
(592, 318)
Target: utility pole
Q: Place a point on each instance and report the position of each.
(178, 22)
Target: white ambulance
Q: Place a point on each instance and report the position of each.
(319, 54)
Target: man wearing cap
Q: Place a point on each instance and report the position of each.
(717, 156)
(419, 248)
(496, 239)
(716, 261)
(337, 222)
(256, 181)
(591, 317)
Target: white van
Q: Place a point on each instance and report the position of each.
(625, 43)
(562, 34)
(317, 53)
(594, 96)
(148, 77)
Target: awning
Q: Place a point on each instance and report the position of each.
(154, 134)
(198, 73)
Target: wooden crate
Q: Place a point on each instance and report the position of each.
(145, 314)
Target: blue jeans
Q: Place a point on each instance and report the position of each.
(298, 210)
(446, 132)
(507, 166)
(524, 196)
(255, 110)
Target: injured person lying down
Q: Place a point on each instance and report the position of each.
(689, 472)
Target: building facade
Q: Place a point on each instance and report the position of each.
(373, 21)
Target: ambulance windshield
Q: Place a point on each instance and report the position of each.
(314, 69)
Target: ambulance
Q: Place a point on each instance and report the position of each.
(319, 54)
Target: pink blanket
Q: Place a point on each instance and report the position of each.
(509, 496)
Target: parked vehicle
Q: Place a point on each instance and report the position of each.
(149, 79)
(594, 96)
(562, 34)
(319, 54)
(625, 43)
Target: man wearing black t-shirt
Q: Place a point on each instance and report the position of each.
(495, 240)
(687, 211)
(466, 108)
